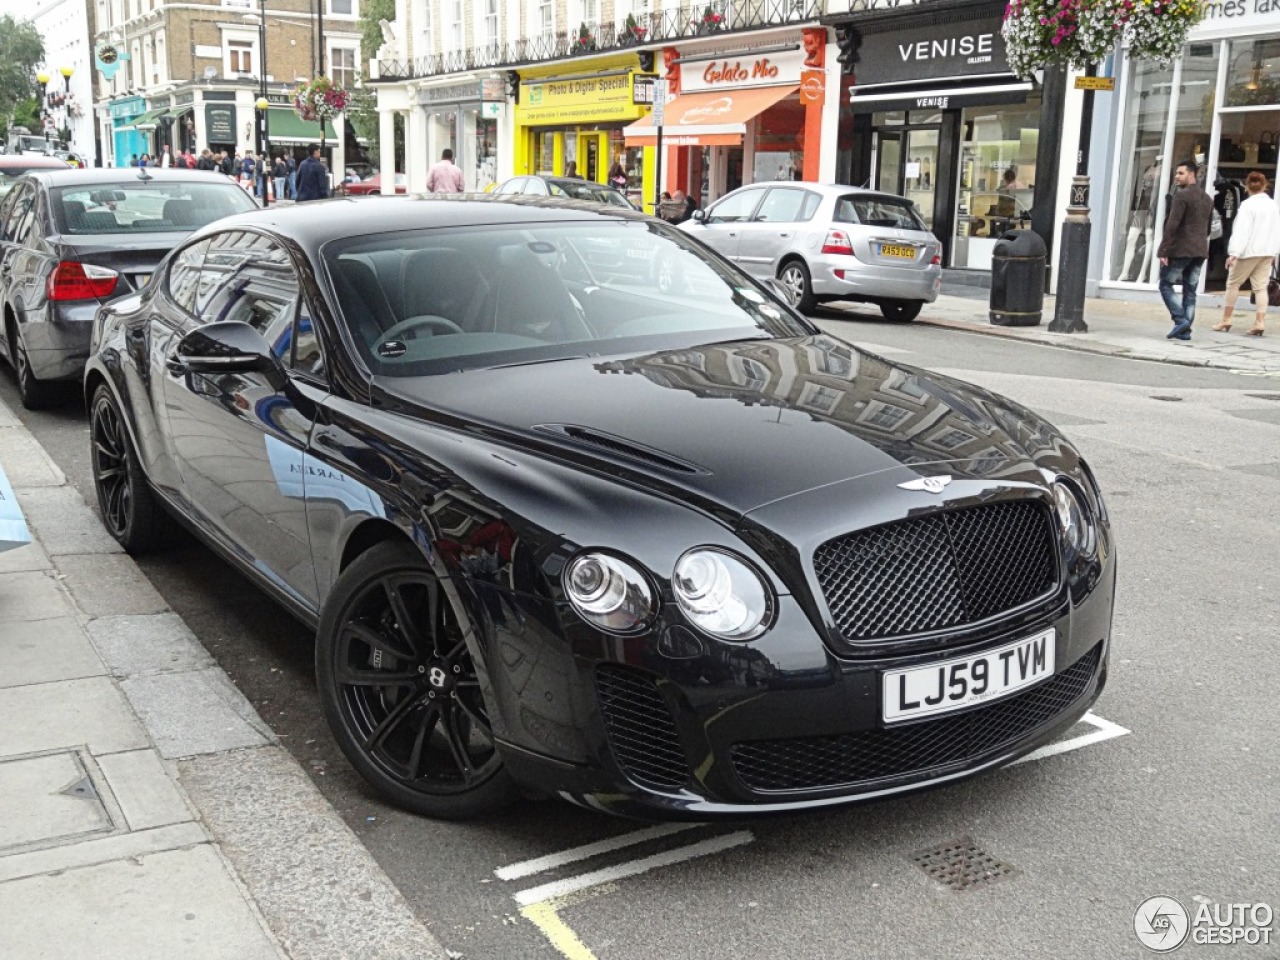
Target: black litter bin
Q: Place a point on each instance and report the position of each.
(1017, 279)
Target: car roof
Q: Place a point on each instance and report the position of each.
(317, 222)
(71, 176)
(29, 161)
(828, 189)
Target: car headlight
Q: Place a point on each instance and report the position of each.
(1075, 519)
(609, 592)
(722, 595)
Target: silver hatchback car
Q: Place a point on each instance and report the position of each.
(827, 242)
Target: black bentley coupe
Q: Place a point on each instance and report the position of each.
(659, 548)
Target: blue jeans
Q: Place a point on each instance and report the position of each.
(1186, 271)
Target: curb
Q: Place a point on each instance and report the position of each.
(317, 892)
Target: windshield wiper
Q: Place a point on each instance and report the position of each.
(529, 363)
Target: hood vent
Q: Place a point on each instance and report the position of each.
(621, 447)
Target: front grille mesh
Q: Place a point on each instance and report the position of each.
(640, 727)
(939, 571)
(858, 758)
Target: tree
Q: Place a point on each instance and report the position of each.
(20, 50)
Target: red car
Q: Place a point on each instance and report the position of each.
(373, 185)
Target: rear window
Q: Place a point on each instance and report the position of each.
(879, 212)
(133, 206)
(586, 190)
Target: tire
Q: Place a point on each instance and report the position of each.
(901, 311)
(405, 704)
(795, 280)
(130, 511)
(35, 394)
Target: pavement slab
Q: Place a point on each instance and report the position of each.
(30, 556)
(46, 650)
(181, 903)
(24, 461)
(64, 524)
(145, 789)
(104, 585)
(70, 713)
(195, 712)
(27, 596)
(155, 643)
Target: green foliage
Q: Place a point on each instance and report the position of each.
(26, 113)
(20, 50)
(371, 11)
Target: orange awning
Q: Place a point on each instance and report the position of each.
(709, 118)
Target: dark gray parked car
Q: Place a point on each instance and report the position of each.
(72, 239)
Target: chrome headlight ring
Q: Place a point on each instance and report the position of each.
(722, 595)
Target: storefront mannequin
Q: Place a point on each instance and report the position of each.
(1142, 217)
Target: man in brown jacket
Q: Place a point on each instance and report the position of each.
(1184, 248)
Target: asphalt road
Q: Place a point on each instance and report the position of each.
(1185, 804)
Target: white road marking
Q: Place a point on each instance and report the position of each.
(559, 888)
(552, 860)
(1106, 730)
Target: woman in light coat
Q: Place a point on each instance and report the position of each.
(1252, 252)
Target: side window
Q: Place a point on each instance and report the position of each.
(307, 357)
(511, 187)
(260, 289)
(737, 207)
(18, 223)
(811, 203)
(535, 187)
(184, 275)
(222, 258)
(781, 205)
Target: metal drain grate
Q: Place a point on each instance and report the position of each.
(962, 865)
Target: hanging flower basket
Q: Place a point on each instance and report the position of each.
(319, 100)
(1081, 32)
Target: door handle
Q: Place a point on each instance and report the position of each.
(175, 365)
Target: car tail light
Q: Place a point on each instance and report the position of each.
(936, 261)
(72, 280)
(837, 242)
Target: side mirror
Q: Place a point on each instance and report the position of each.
(230, 347)
(700, 215)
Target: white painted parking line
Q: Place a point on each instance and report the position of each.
(1106, 730)
(552, 860)
(559, 888)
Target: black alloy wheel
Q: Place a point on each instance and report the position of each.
(901, 310)
(795, 280)
(400, 691)
(35, 394)
(129, 509)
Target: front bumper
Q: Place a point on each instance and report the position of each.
(719, 736)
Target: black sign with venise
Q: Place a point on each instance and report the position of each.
(967, 48)
(220, 123)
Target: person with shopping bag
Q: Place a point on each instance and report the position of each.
(1252, 253)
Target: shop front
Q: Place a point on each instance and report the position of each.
(1218, 105)
(937, 116)
(128, 143)
(739, 117)
(579, 118)
(462, 117)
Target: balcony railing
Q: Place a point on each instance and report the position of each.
(652, 30)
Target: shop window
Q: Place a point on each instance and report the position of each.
(486, 152)
(997, 178)
(1253, 76)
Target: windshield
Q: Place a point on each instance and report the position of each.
(878, 211)
(135, 206)
(586, 190)
(438, 301)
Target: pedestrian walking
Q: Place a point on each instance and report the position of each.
(279, 173)
(1252, 252)
(1184, 247)
(445, 177)
(292, 188)
(313, 178)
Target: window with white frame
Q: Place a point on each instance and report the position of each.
(490, 22)
(342, 66)
(454, 9)
(424, 23)
(544, 17)
(588, 13)
(239, 57)
(342, 8)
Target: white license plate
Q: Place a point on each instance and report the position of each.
(955, 684)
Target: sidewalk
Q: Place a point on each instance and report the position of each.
(1120, 328)
(146, 811)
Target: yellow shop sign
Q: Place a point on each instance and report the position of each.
(579, 99)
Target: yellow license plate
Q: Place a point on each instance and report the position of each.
(894, 250)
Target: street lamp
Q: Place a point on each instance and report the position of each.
(66, 102)
(264, 137)
(43, 79)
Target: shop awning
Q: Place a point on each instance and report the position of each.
(285, 126)
(709, 118)
(147, 121)
(935, 94)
